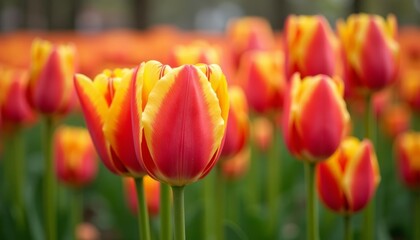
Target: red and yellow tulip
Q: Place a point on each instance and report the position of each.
(407, 153)
(315, 117)
(310, 46)
(371, 50)
(237, 130)
(236, 166)
(75, 156)
(151, 191)
(105, 102)
(193, 53)
(262, 133)
(179, 118)
(260, 74)
(51, 77)
(409, 87)
(347, 181)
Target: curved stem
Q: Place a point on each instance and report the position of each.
(165, 212)
(347, 227)
(50, 183)
(311, 208)
(143, 214)
(179, 212)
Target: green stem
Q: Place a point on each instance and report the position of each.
(142, 213)
(273, 184)
(76, 210)
(18, 174)
(252, 178)
(311, 208)
(231, 197)
(369, 212)
(50, 183)
(347, 227)
(219, 200)
(415, 121)
(179, 212)
(416, 222)
(209, 227)
(165, 212)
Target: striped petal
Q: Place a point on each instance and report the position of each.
(183, 126)
(95, 110)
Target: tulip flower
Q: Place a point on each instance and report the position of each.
(338, 179)
(247, 34)
(75, 156)
(151, 188)
(371, 50)
(310, 46)
(237, 165)
(105, 102)
(193, 53)
(407, 148)
(315, 117)
(260, 74)
(409, 87)
(262, 133)
(237, 129)
(51, 72)
(395, 120)
(14, 106)
(179, 120)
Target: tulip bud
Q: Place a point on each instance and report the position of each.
(236, 166)
(407, 153)
(262, 133)
(409, 87)
(315, 117)
(310, 46)
(75, 156)
(52, 68)
(151, 191)
(347, 181)
(371, 50)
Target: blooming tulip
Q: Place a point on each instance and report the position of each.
(407, 152)
(237, 129)
(371, 50)
(179, 119)
(151, 189)
(14, 106)
(195, 52)
(261, 76)
(52, 68)
(105, 102)
(347, 181)
(247, 34)
(310, 46)
(75, 156)
(315, 117)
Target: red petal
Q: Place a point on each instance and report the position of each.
(329, 188)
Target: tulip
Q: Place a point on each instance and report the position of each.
(105, 102)
(14, 106)
(315, 117)
(260, 74)
(247, 34)
(310, 46)
(262, 133)
(151, 188)
(75, 156)
(407, 148)
(179, 120)
(193, 53)
(409, 87)
(50, 86)
(338, 178)
(371, 50)
(237, 130)
(395, 120)
(237, 165)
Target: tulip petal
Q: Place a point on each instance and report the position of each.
(328, 180)
(183, 126)
(95, 109)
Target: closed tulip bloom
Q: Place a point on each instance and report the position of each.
(407, 153)
(179, 118)
(260, 74)
(105, 102)
(236, 166)
(248, 34)
(315, 117)
(151, 191)
(75, 156)
(347, 181)
(310, 46)
(409, 87)
(262, 133)
(237, 130)
(51, 77)
(195, 52)
(371, 50)
(14, 106)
